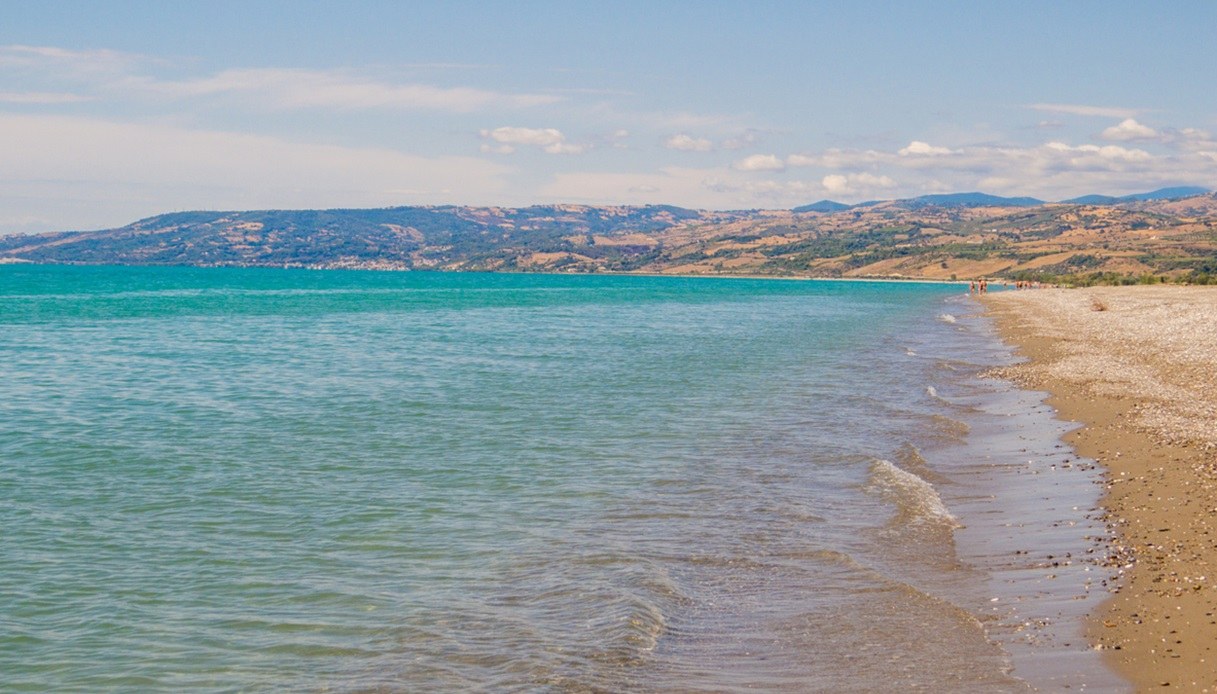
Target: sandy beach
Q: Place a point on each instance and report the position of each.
(1137, 366)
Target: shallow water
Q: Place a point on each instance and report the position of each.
(256, 479)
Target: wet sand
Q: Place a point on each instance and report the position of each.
(1137, 366)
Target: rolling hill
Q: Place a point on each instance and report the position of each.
(940, 237)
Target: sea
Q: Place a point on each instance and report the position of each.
(245, 480)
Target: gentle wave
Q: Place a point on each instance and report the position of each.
(593, 484)
(917, 500)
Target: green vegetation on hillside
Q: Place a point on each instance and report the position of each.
(1126, 242)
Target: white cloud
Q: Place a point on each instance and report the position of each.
(540, 137)
(1106, 152)
(1083, 110)
(835, 183)
(1053, 170)
(836, 158)
(1191, 140)
(919, 148)
(550, 140)
(687, 143)
(855, 184)
(1129, 129)
(760, 162)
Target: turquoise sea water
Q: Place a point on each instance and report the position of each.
(246, 480)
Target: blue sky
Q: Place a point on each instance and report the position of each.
(119, 110)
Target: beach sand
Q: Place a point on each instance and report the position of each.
(1137, 366)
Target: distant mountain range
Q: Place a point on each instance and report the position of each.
(986, 200)
(1160, 194)
(1166, 233)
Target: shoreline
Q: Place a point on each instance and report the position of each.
(5, 260)
(1137, 367)
(1025, 506)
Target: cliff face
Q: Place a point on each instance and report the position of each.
(1175, 237)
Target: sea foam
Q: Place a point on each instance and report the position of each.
(916, 498)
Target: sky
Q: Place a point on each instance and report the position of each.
(111, 112)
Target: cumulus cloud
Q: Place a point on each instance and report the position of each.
(760, 162)
(540, 137)
(1190, 140)
(550, 140)
(688, 143)
(854, 184)
(1083, 110)
(1129, 129)
(919, 148)
(837, 158)
(1050, 170)
(1109, 153)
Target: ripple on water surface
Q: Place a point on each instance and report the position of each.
(246, 479)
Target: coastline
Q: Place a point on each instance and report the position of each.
(1025, 506)
(1137, 367)
(7, 260)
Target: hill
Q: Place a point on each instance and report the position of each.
(959, 236)
(968, 200)
(1160, 194)
(823, 206)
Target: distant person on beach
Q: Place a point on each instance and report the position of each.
(972, 287)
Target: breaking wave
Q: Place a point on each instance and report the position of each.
(917, 500)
